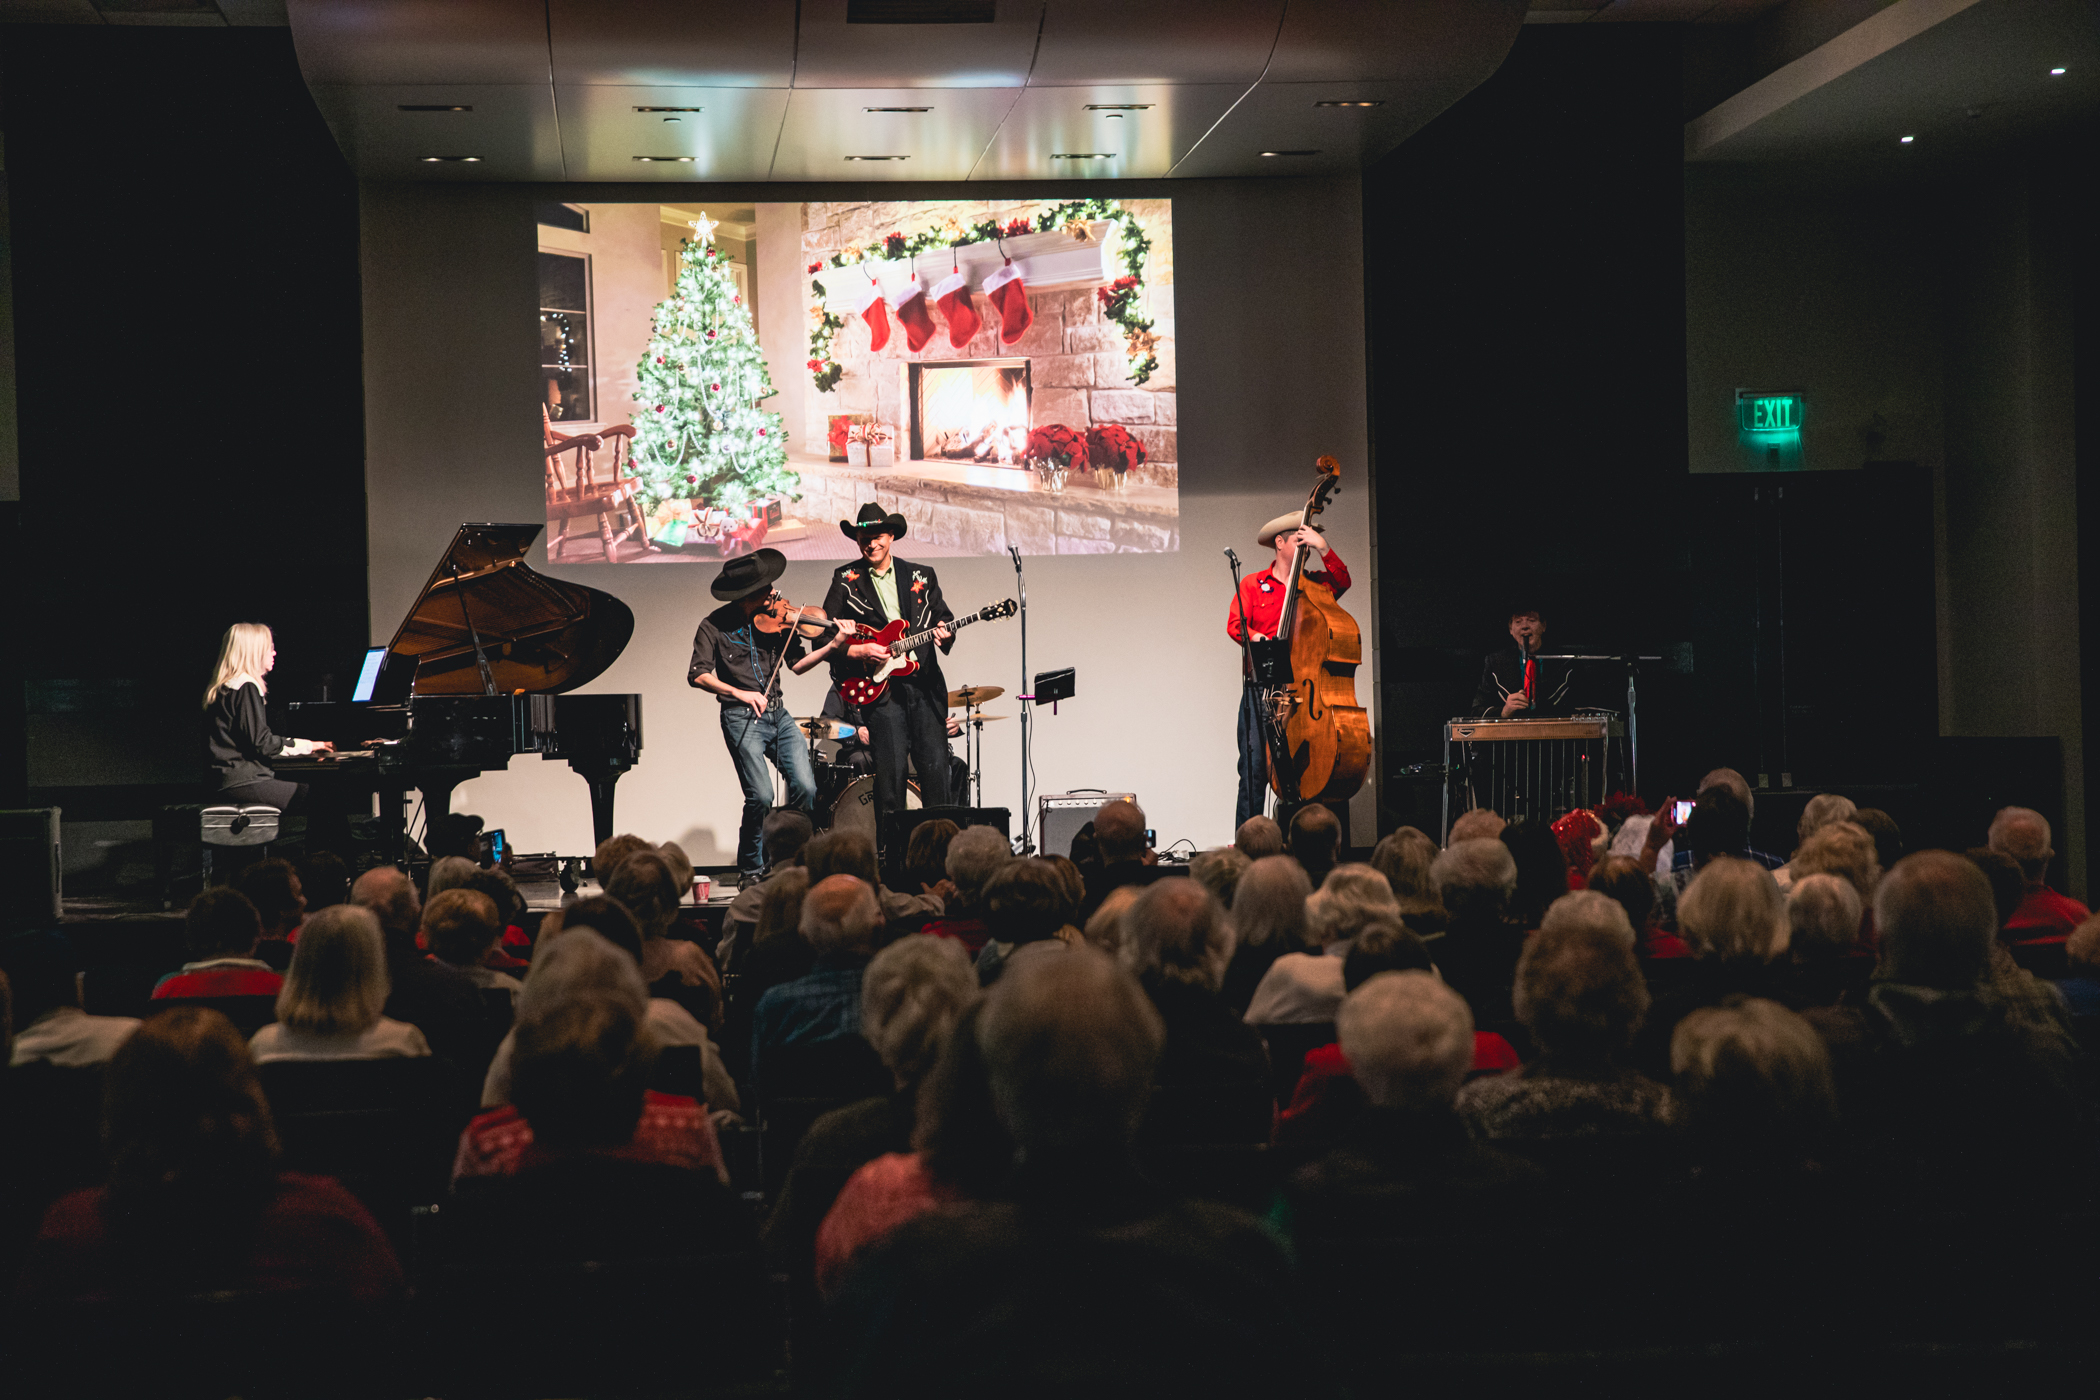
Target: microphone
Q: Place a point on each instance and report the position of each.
(1232, 554)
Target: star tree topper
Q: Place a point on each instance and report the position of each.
(705, 228)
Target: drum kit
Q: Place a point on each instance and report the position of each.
(846, 793)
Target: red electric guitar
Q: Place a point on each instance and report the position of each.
(866, 690)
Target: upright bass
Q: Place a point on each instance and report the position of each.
(1319, 737)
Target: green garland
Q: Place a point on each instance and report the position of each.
(1119, 300)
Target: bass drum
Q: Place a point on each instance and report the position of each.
(855, 808)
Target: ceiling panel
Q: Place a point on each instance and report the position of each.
(825, 125)
(1455, 43)
(676, 43)
(730, 139)
(1284, 117)
(1049, 121)
(1114, 41)
(511, 131)
(831, 53)
(420, 41)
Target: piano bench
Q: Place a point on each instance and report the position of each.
(185, 826)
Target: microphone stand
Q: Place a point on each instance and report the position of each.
(1633, 748)
(1027, 699)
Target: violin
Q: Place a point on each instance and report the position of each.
(779, 615)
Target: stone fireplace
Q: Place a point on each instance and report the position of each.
(973, 411)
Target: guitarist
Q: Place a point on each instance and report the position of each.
(1260, 601)
(908, 725)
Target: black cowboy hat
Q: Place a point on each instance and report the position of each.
(872, 521)
(748, 574)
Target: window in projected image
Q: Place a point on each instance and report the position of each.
(729, 376)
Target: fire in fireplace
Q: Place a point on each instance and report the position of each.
(969, 411)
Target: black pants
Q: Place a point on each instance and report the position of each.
(908, 724)
(1254, 758)
(287, 797)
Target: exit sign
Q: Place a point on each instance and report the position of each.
(1767, 413)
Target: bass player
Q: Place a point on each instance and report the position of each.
(907, 726)
(1260, 602)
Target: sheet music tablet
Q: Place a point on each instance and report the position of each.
(368, 675)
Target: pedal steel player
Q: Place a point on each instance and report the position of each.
(908, 725)
(1260, 601)
(1516, 681)
(740, 665)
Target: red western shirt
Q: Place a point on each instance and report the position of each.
(1262, 596)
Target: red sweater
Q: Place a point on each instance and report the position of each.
(1262, 596)
(1326, 1066)
(221, 977)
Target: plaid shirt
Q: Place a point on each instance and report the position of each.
(824, 1004)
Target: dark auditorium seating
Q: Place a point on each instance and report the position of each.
(806, 1081)
(1288, 1047)
(387, 1129)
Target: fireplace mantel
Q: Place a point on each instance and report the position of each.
(1046, 261)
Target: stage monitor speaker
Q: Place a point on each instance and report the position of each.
(1059, 815)
(30, 892)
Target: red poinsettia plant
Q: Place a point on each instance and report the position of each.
(1057, 445)
(1111, 446)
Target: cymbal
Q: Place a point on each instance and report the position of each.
(975, 719)
(974, 695)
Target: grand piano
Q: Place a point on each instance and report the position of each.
(475, 674)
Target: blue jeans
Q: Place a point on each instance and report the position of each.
(752, 741)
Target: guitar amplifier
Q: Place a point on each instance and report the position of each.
(1059, 815)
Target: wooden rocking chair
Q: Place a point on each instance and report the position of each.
(577, 492)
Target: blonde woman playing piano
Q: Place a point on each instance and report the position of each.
(238, 743)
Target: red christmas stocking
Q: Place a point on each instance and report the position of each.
(1009, 297)
(870, 309)
(910, 306)
(952, 296)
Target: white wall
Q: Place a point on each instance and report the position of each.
(1270, 319)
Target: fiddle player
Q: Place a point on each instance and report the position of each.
(907, 726)
(1517, 681)
(1260, 603)
(740, 665)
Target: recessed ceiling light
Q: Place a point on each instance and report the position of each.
(2057, 72)
(878, 157)
(456, 107)
(667, 160)
(1119, 106)
(469, 160)
(896, 109)
(1908, 139)
(670, 109)
(1083, 155)
(1267, 154)
(1379, 103)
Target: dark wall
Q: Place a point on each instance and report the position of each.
(186, 321)
(1525, 285)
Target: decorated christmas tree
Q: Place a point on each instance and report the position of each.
(700, 434)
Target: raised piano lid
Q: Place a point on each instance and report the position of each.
(540, 634)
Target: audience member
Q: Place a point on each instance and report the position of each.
(1829, 964)
(195, 1202)
(1062, 1286)
(1478, 953)
(1953, 1099)
(926, 858)
(1126, 857)
(2080, 988)
(975, 855)
(1026, 901)
(513, 950)
(1590, 909)
(441, 1002)
(2008, 881)
(2023, 834)
(447, 873)
(1268, 915)
(1404, 858)
(675, 968)
(840, 921)
(911, 996)
(1888, 837)
(1306, 988)
(461, 927)
(273, 887)
(221, 930)
(844, 852)
(1621, 878)
(43, 973)
(1839, 848)
(778, 953)
(1822, 809)
(1316, 840)
(1475, 824)
(1580, 997)
(333, 1003)
(782, 836)
(1735, 922)
(1542, 870)
(582, 1066)
(324, 880)
(1258, 837)
(1219, 871)
(1212, 1083)
(612, 851)
(1104, 931)
(1754, 1093)
(581, 964)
